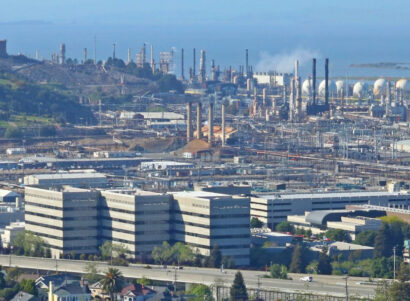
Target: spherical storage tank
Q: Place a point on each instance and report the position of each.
(359, 89)
(340, 85)
(307, 87)
(379, 87)
(403, 85)
(332, 88)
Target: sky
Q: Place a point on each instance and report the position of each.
(350, 31)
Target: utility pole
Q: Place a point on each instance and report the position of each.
(394, 263)
(347, 292)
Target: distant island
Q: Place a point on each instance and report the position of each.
(383, 65)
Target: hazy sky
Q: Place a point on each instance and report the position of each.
(276, 32)
(315, 14)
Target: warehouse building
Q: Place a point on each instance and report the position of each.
(75, 179)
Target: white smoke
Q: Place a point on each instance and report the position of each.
(284, 62)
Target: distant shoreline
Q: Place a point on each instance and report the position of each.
(383, 65)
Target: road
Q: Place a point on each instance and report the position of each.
(321, 285)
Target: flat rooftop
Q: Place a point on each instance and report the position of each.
(333, 195)
(200, 194)
(70, 175)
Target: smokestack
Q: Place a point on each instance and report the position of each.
(189, 122)
(223, 124)
(298, 109)
(246, 62)
(182, 65)
(198, 121)
(292, 99)
(194, 66)
(327, 82)
(113, 51)
(85, 54)
(202, 67)
(62, 53)
(264, 97)
(314, 82)
(152, 56)
(210, 122)
(129, 55)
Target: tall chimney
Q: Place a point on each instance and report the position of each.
(298, 108)
(194, 66)
(198, 121)
(264, 97)
(113, 51)
(152, 57)
(223, 124)
(292, 99)
(327, 82)
(189, 122)
(314, 82)
(246, 62)
(210, 122)
(202, 67)
(182, 64)
(85, 54)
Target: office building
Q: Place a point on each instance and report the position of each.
(66, 219)
(10, 233)
(139, 220)
(275, 208)
(203, 219)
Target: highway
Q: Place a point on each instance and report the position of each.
(321, 284)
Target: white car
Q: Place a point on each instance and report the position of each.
(307, 278)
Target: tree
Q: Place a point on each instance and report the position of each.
(256, 223)
(13, 273)
(215, 258)
(285, 227)
(29, 244)
(297, 264)
(91, 272)
(106, 250)
(112, 282)
(162, 254)
(366, 238)
(47, 131)
(404, 273)
(2, 281)
(200, 291)
(338, 235)
(13, 132)
(399, 291)
(29, 286)
(324, 265)
(238, 289)
(144, 281)
(278, 271)
(182, 253)
(382, 244)
(169, 82)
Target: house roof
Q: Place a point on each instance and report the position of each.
(72, 289)
(136, 290)
(57, 279)
(23, 296)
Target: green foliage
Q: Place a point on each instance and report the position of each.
(382, 243)
(13, 132)
(40, 100)
(285, 227)
(2, 280)
(260, 258)
(112, 282)
(169, 82)
(238, 290)
(301, 231)
(91, 273)
(28, 244)
(109, 250)
(200, 291)
(366, 238)
(9, 292)
(278, 271)
(178, 253)
(144, 281)
(376, 268)
(298, 263)
(337, 235)
(29, 286)
(311, 268)
(47, 131)
(215, 258)
(13, 273)
(324, 265)
(256, 223)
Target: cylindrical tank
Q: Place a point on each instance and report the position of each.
(340, 85)
(360, 89)
(379, 87)
(402, 84)
(332, 88)
(307, 87)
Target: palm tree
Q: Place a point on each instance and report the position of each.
(112, 282)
